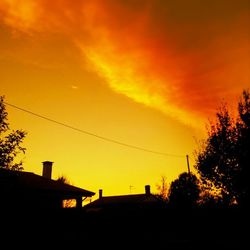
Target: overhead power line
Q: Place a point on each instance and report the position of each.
(92, 134)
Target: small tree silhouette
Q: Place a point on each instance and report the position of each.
(10, 143)
(184, 191)
(163, 188)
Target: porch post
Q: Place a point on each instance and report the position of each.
(79, 202)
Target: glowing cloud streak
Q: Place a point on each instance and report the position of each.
(181, 69)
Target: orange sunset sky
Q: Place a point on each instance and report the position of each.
(149, 73)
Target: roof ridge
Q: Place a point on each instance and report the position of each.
(125, 195)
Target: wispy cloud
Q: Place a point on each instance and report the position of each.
(74, 87)
(176, 57)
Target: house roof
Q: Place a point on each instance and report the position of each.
(134, 199)
(30, 181)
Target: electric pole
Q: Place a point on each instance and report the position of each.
(188, 165)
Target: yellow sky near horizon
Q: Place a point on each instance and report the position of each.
(146, 73)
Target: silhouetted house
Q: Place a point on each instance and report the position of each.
(132, 202)
(28, 190)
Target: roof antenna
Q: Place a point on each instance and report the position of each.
(130, 188)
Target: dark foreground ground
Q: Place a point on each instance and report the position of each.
(158, 229)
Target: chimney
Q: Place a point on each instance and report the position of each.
(147, 190)
(47, 169)
(100, 193)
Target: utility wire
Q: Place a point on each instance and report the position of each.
(92, 134)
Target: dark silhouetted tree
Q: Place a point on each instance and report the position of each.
(162, 188)
(243, 150)
(210, 197)
(184, 191)
(10, 142)
(63, 179)
(224, 159)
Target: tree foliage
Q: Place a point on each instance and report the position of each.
(184, 191)
(224, 160)
(162, 188)
(10, 142)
